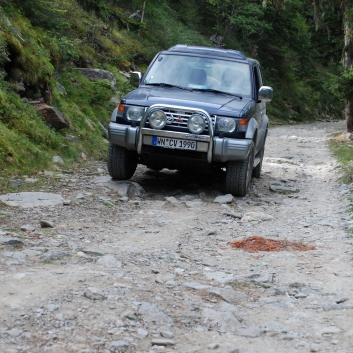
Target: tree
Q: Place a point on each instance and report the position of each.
(346, 8)
(143, 10)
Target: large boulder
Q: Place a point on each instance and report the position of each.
(97, 74)
(53, 117)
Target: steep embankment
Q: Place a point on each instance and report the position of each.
(42, 44)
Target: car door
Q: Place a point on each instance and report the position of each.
(260, 107)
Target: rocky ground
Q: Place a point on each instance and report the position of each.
(103, 266)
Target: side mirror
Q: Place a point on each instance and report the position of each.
(265, 94)
(135, 78)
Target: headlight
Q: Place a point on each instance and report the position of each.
(226, 125)
(158, 120)
(196, 124)
(134, 113)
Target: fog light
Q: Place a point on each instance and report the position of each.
(158, 120)
(196, 124)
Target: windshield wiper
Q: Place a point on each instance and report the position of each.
(162, 84)
(217, 91)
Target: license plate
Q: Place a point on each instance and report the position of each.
(177, 144)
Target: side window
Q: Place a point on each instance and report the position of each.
(259, 76)
(257, 81)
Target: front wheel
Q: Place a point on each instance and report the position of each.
(122, 164)
(238, 175)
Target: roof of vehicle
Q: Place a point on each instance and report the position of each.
(183, 48)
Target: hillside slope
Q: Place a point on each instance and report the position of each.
(44, 42)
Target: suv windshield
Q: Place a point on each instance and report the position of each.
(201, 73)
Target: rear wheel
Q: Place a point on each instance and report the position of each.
(238, 175)
(121, 163)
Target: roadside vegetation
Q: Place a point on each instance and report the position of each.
(342, 147)
(42, 42)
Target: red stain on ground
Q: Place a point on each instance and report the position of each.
(256, 243)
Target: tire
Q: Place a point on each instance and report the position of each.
(256, 172)
(238, 175)
(122, 164)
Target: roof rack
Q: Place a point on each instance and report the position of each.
(208, 50)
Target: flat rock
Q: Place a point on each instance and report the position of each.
(162, 342)
(15, 183)
(128, 189)
(349, 333)
(172, 200)
(52, 307)
(280, 187)
(27, 228)
(30, 180)
(10, 241)
(171, 283)
(166, 332)
(221, 277)
(228, 294)
(141, 333)
(53, 117)
(315, 347)
(212, 346)
(115, 346)
(31, 199)
(15, 332)
(259, 277)
(331, 330)
(165, 277)
(235, 349)
(249, 331)
(208, 263)
(94, 293)
(226, 321)
(46, 224)
(193, 204)
(150, 312)
(58, 160)
(233, 214)
(55, 255)
(340, 300)
(256, 216)
(274, 326)
(98, 74)
(224, 306)
(195, 285)
(228, 198)
(109, 261)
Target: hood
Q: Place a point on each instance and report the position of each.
(213, 103)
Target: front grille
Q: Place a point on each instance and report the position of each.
(173, 152)
(179, 119)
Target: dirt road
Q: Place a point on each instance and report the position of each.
(146, 266)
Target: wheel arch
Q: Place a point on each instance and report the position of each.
(251, 131)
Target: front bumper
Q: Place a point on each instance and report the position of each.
(224, 149)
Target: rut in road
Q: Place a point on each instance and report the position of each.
(145, 266)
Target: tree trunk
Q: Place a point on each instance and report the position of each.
(143, 10)
(347, 6)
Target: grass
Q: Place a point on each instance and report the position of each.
(247, 286)
(343, 151)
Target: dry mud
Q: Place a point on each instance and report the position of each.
(125, 269)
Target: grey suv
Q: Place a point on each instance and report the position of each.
(194, 108)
